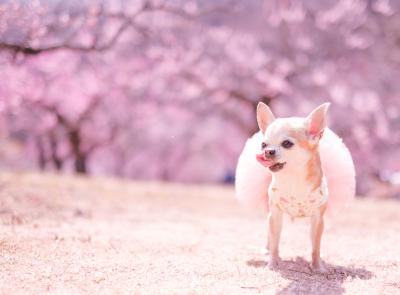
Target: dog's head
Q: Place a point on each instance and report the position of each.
(289, 143)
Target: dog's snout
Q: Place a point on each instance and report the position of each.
(270, 153)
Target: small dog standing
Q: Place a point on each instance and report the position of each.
(302, 164)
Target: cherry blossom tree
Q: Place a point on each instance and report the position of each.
(168, 89)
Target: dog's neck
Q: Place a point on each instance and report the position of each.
(307, 175)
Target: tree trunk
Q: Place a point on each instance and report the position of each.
(57, 161)
(79, 155)
(80, 163)
(41, 153)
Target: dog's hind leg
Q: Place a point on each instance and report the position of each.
(317, 228)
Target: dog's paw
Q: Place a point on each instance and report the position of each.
(273, 263)
(318, 267)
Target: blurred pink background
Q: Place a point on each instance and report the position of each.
(167, 90)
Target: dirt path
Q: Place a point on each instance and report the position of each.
(69, 236)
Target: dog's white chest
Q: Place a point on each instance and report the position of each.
(297, 200)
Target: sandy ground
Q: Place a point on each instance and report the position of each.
(64, 235)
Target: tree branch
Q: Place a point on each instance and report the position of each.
(127, 21)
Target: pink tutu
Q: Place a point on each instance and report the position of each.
(252, 179)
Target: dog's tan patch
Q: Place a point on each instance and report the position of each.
(314, 170)
(274, 189)
(301, 137)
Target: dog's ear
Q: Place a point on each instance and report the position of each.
(264, 116)
(316, 121)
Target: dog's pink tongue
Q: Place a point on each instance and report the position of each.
(260, 158)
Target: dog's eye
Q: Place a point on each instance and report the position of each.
(263, 145)
(287, 144)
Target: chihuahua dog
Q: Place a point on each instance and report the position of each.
(298, 187)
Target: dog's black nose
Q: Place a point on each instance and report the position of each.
(270, 152)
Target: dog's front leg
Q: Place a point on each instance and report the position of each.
(317, 228)
(274, 234)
